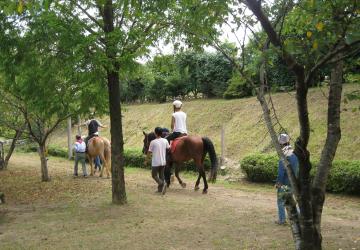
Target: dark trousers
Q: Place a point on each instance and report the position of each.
(173, 136)
(157, 174)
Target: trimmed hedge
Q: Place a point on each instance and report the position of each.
(260, 167)
(344, 175)
(133, 157)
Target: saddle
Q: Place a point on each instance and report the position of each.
(175, 142)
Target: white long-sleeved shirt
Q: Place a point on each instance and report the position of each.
(80, 147)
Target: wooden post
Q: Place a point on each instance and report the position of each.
(222, 158)
(79, 125)
(70, 152)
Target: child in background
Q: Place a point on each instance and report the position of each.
(157, 149)
(80, 155)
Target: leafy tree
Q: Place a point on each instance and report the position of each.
(323, 34)
(118, 32)
(42, 76)
(238, 87)
(307, 35)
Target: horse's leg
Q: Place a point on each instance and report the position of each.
(197, 163)
(197, 183)
(200, 165)
(202, 173)
(91, 165)
(177, 170)
(104, 166)
(108, 162)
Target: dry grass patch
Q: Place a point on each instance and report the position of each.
(245, 132)
(77, 213)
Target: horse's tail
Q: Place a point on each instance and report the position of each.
(209, 147)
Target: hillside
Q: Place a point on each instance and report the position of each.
(245, 132)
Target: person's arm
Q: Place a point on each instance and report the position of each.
(281, 174)
(172, 123)
(100, 125)
(148, 154)
(75, 147)
(85, 123)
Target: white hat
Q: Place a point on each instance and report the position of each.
(177, 104)
(284, 138)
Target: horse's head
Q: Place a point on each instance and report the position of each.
(147, 139)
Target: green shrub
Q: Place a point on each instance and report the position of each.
(344, 176)
(260, 167)
(58, 151)
(27, 148)
(134, 158)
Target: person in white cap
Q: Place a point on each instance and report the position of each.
(282, 182)
(178, 122)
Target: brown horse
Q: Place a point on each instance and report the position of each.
(99, 146)
(187, 148)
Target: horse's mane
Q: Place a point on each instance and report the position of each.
(151, 136)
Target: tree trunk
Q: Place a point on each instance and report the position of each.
(69, 137)
(44, 167)
(328, 153)
(117, 142)
(306, 215)
(16, 137)
(289, 201)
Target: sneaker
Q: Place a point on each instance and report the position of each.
(163, 191)
(280, 223)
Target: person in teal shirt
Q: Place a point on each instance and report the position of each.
(282, 181)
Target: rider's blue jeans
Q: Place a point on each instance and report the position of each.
(97, 162)
(281, 206)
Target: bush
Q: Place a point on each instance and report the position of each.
(344, 176)
(133, 157)
(260, 167)
(58, 151)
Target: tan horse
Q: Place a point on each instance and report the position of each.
(100, 146)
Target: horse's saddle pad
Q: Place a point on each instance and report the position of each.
(174, 144)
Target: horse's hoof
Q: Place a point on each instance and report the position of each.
(183, 185)
(205, 191)
(196, 188)
(100, 175)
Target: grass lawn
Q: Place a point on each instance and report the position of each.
(245, 130)
(76, 213)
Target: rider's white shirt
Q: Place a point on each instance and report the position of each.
(180, 122)
(158, 148)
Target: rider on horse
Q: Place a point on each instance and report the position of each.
(93, 126)
(178, 122)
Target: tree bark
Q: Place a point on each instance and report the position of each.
(306, 215)
(328, 153)
(69, 137)
(117, 142)
(44, 167)
(16, 137)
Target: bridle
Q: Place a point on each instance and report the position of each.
(146, 146)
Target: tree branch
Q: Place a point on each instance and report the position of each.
(331, 54)
(87, 14)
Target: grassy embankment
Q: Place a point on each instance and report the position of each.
(76, 213)
(245, 132)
